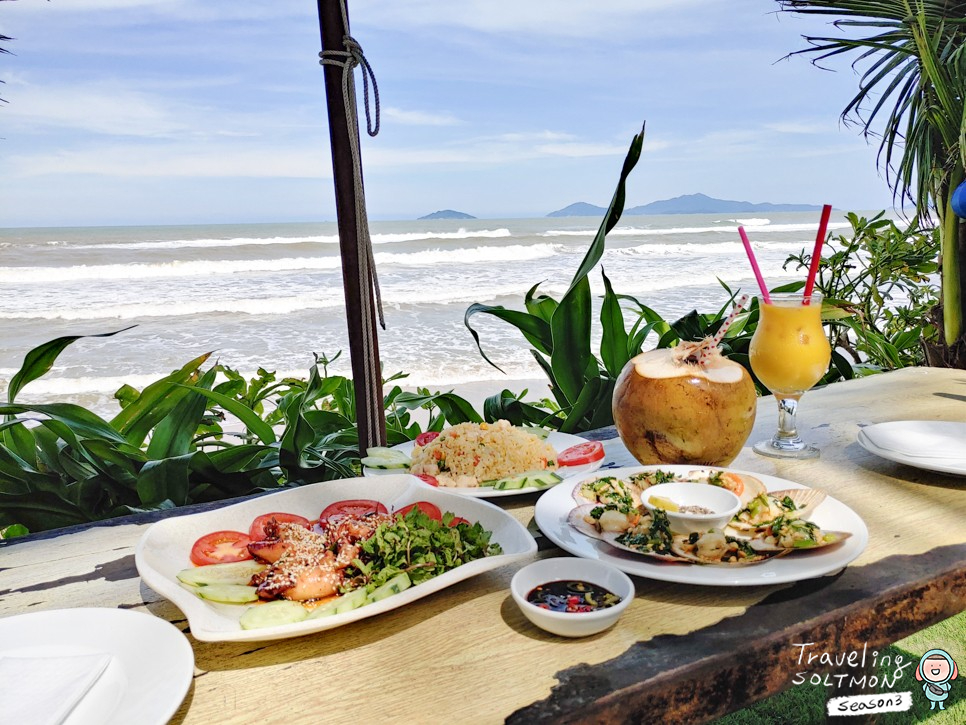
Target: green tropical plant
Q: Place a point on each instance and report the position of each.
(914, 54)
(559, 331)
(878, 289)
(171, 443)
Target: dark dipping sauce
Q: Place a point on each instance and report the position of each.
(572, 596)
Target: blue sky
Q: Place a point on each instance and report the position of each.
(191, 111)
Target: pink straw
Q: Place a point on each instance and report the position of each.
(817, 253)
(754, 265)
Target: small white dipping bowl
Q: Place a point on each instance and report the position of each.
(720, 500)
(571, 624)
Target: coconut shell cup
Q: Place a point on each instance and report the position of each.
(669, 410)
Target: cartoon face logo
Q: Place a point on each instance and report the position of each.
(935, 670)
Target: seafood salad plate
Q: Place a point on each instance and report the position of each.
(312, 558)
(653, 521)
(489, 460)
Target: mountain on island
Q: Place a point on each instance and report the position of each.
(447, 214)
(581, 208)
(687, 204)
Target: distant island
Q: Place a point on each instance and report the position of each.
(687, 204)
(447, 214)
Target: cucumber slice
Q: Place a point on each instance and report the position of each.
(540, 433)
(353, 600)
(236, 572)
(542, 479)
(398, 583)
(386, 459)
(510, 482)
(325, 610)
(380, 450)
(273, 614)
(228, 593)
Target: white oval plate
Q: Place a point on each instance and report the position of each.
(559, 441)
(896, 441)
(164, 548)
(553, 508)
(134, 688)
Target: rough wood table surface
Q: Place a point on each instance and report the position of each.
(679, 653)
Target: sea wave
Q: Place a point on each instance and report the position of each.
(196, 268)
(765, 228)
(697, 249)
(274, 241)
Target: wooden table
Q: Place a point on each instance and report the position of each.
(679, 653)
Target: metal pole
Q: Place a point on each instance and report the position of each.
(356, 274)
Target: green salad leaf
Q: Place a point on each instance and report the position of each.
(421, 547)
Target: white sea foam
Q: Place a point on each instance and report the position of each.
(710, 248)
(274, 241)
(197, 268)
(765, 228)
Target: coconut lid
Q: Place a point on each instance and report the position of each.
(673, 362)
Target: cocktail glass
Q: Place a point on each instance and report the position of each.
(789, 354)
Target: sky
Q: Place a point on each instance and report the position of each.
(213, 111)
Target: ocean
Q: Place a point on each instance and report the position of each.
(269, 295)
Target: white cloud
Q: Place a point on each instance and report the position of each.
(565, 18)
(419, 118)
(182, 160)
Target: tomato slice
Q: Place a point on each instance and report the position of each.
(335, 512)
(257, 530)
(581, 453)
(430, 509)
(427, 437)
(431, 480)
(220, 547)
(458, 520)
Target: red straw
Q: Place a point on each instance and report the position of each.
(754, 265)
(817, 253)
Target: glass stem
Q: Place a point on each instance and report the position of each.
(787, 435)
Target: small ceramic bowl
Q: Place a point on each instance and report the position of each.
(722, 502)
(565, 568)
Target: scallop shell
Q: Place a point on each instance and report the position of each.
(806, 500)
(611, 538)
(677, 546)
(840, 536)
(576, 519)
(750, 485)
(581, 499)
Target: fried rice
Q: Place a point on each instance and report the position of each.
(467, 454)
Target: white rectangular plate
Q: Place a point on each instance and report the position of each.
(164, 548)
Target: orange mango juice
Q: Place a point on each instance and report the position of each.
(789, 351)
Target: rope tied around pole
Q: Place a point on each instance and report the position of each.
(348, 59)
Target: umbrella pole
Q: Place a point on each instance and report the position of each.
(351, 214)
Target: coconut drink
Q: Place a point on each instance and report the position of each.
(687, 404)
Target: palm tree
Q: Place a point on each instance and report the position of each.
(912, 56)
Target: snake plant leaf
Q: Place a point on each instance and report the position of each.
(454, 408)
(570, 326)
(613, 344)
(534, 329)
(21, 441)
(586, 402)
(507, 406)
(138, 418)
(39, 511)
(81, 421)
(174, 435)
(40, 360)
(249, 418)
(541, 306)
(165, 479)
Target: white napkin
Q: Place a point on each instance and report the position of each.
(44, 690)
(935, 439)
